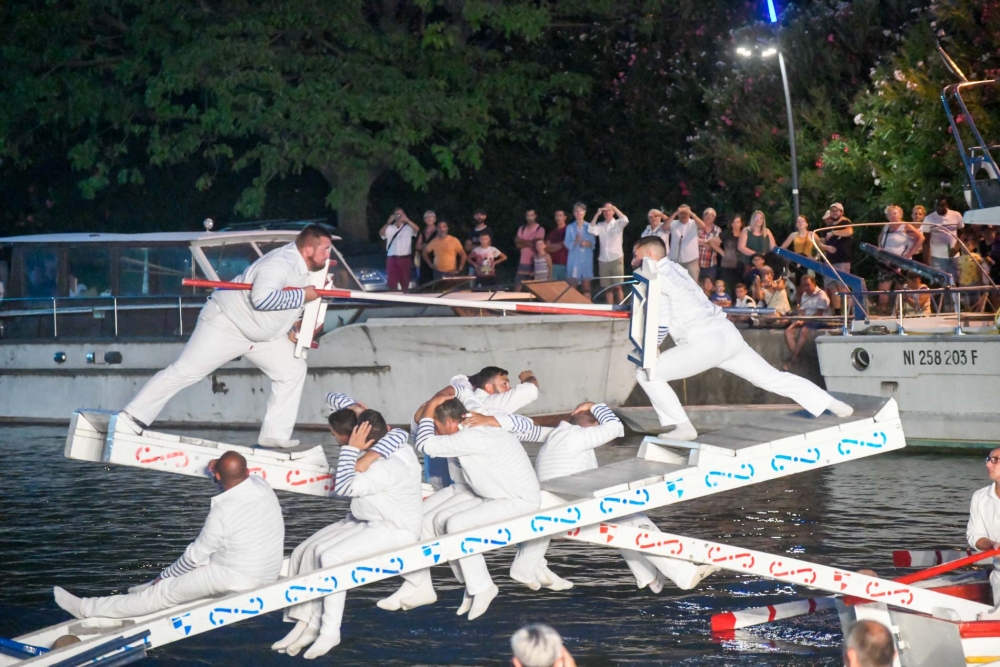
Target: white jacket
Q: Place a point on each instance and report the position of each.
(267, 311)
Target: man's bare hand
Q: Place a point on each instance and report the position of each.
(584, 407)
(474, 419)
(311, 294)
(564, 659)
(359, 436)
(444, 394)
(528, 376)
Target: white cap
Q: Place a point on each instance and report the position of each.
(837, 204)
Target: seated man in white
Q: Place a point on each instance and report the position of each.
(386, 511)
(983, 530)
(240, 547)
(706, 339)
(491, 396)
(569, 449)
(497, 470)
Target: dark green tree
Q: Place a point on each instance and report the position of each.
(349, 88)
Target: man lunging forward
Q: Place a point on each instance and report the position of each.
(706, 339)
(256, 324)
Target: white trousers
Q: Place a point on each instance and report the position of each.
(305, 559)
(370, 539)
(721, 346)
(473, 514)
(205, 581)
(530, 559)
(995, 585)
(443, 502)
(215, 341)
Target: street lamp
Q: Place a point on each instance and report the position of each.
(769, 52)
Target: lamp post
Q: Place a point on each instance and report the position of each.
(768, 52)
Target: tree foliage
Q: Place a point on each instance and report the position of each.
(350, 88)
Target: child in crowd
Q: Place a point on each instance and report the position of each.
(743, 298)
(708, 287)
(758, 265)
(543, 261)
(485, 258)
(719, 296)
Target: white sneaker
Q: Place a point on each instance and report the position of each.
(683, 431)
(275, 443)
(125, 423)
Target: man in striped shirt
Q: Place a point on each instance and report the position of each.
(378, 470)
(497, 471)
(256, 324)
(239, 548)
(569, 449)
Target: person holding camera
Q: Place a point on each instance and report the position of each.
(398, 233)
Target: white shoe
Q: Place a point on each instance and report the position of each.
(322, 645)
(282, 644)
(533, 584)
(481, 602)
(683, 431)
(307, 637)
(276, 443)
(68, 602)
(553, 581)
(840, 408)
(125, 423)
(656, 585)
(466, 604)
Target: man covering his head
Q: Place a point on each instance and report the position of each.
(868, 644)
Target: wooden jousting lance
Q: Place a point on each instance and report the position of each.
(593, 310)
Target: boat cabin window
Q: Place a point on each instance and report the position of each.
(88, 271)
(5, 254)
(41, 272)
(152, 271)
(231, 259)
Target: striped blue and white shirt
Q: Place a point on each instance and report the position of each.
(267, 310)
(569, 448)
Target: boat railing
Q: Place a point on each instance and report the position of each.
(940, 297)
(43, 317)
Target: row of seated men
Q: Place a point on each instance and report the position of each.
(472, 423)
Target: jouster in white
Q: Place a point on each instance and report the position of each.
(705, 339)
(254, 324)
(385, 513)
(239, 548)
(983, 531)
(498, 472)
(569, 449)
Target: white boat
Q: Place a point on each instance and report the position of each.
(89, 318)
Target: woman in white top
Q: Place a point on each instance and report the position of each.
(899, 238)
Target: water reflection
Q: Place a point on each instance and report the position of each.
(97, 530)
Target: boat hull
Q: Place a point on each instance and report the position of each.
(945, 384)
(393, 364)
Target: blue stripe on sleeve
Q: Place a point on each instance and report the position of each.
(425, 431)
(525, 429)
(661, 334)
(337, 401)
(392, 441)
(604, 414)
(344, 482)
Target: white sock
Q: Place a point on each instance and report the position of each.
(394, 601)
(466, 604)
(702, 572)
(840, 408)
(68, 602)
(289, 639)
(481, 602)
(533, 584)
(656, 585)
(322, 645)
(553, 581)
(418, 596)
(683, 431)
(308, 636)
(276, 443)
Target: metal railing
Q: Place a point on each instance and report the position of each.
(943, 292)
(114, 305)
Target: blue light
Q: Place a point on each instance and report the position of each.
(770, 11)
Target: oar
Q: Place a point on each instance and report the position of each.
(594, 310)
(746, 618)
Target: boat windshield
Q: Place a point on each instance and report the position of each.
(229, 260)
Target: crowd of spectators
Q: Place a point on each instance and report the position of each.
(736, 263)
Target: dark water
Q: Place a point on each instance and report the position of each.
(97, 530)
